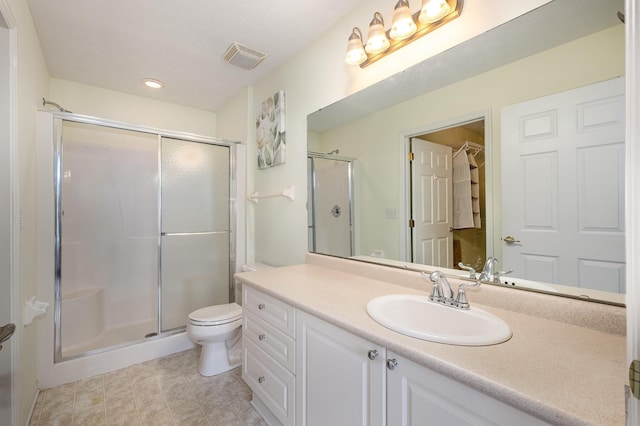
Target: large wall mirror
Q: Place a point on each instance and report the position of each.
(470, 111)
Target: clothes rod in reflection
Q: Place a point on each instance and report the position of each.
(289, 193)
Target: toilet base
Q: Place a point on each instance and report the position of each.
(216, 359)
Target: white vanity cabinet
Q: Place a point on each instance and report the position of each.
(340, 377)
(268, 355)
(419, 396)
(304, 371)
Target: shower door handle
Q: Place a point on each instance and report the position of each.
(6, 331)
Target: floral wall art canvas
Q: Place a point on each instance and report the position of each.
(270, 131)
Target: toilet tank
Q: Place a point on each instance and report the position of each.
(247, 268)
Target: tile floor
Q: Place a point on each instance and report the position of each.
(165, 391)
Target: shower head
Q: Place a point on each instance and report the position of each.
(46, 102)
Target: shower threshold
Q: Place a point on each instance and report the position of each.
(116, 336)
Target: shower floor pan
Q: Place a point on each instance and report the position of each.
(113, 337)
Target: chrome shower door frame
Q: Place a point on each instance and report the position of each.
(58, 119)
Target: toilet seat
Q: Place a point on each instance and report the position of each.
(216, 315)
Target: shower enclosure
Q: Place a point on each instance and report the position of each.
(143, 232)
(330, 208)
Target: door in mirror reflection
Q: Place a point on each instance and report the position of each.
(564, 158)
(431, 203)
(447, 196)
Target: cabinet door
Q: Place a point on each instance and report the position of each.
(418, 396)
(337, 383)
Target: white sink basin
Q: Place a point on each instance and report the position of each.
(416, 316)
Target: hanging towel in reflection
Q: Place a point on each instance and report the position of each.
(462, 199)
(475, 190)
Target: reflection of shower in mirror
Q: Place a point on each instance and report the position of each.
(330, 189)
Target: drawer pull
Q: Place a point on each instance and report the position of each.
(261, 306)
(373, 354)
(262, 337)
(392, 363)
(261, 379)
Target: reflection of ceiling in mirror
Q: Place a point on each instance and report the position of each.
(553, 24)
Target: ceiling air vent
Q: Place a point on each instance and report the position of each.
(243, 57)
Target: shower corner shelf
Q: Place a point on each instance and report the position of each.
(289, 193)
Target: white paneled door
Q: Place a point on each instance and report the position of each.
(563, 187)
(431, 203)
(5, 232)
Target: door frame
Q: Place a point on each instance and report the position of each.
(632, 194)
(404, 147)
(14, 183)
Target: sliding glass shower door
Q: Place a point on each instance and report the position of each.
(195, 229)
(143, 232)
(108, 236)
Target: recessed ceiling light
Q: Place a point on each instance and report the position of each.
(153, 83)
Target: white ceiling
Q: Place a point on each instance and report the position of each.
(115, 44)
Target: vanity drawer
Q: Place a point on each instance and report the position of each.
(274, 312)
(275, 343)
(271, 382)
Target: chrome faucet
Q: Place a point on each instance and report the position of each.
(442, 292)
(468, 268)
(488, 272)
(441, 288)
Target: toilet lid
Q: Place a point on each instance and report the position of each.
(217, 314)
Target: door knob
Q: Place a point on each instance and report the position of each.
(510, 240)
(373, 354)
(392, 363)
(6, 331)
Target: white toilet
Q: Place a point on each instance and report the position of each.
(218, 330)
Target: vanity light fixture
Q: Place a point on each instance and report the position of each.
(377, 40)
(405, 28)
(153, 83)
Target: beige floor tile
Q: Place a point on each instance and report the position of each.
(56, 411)
(117, 390)
(60, 421)
(184, 407)
(224, 418)
(251, 418)
(89, 419)
(146, 390)
(167, 391)
(91, 385)
(93, 401)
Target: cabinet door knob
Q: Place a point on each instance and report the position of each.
(261, 306)
(261, 379)
(373, 354)
(262, 337)
(392, 363)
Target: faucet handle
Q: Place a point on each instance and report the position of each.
(496, 277)
(461, 299)
(468, 268)
(436, 294)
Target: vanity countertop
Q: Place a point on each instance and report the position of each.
(562, 373)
